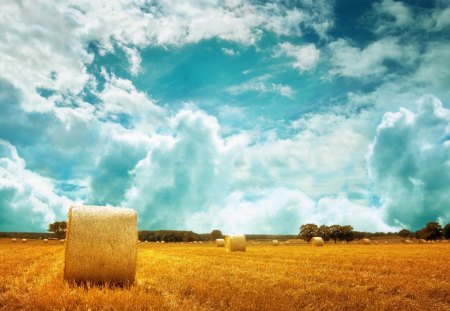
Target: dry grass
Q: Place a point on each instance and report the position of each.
(204, 277)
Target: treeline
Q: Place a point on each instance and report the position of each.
(178, 236)
(28, 235)
(281, 237)
(432, 231)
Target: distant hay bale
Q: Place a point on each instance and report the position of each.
(101, 244)
(422, 241)
(235, 243)
(433, 241)
(13, 240)
(200, 242)
(195, 242)
(45, 240)
(220, 242)
(163, 242)
(287, 242)
(408, 241)
(317, 241)
(366, 242)
(375, 242)
(62, 241)
(275, 243)
(444, 241)
(386, 242)
(24, 240)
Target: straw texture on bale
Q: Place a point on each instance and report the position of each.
(101, 244)
(14, 240)
(24, 240)
(220, 242)
(317, 241)
(275, 243)
(235, 243)
(366, 242)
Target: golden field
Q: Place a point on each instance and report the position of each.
(204, 277)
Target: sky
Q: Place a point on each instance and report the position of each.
(243, 116)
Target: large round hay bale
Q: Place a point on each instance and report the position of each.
(422, 241)
(317, 241)
(275, 243)
(101, 244)
(366, 242)
(235, 243)
(24, 240)
(220, 242)
(13, 240)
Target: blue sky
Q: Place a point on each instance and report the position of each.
(244, 116)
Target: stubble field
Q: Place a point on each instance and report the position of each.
(204, 277)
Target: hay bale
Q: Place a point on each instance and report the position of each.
(62, 241)
(366, 242)
(444, 241)
(422, 241)
(408, 241)
(317, 241)
(24, 240)
(163, 242)
(287, 242)
(275, 243)
(386, 242)
(220, 242)
(101, 244)
(375, 242)
(45, 240)
(13, 240)
(235, 243)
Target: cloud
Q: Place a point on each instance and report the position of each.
(306, 56)
(134, 58)
(409, 164)
(350, 61)
(434, 69)
(392, 15)
(27, 200)
(261, 85)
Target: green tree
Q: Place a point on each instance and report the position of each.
(447, 231)
(216, 234)
(324, 232)
(336, 232)
(308, 231)
(404, 233)
(59, 228)
(432, 231)
(347, 233)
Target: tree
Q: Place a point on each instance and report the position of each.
(308, 231)
(324, 232)
(216, 234)
(336, 232)
(447, 231)
(347, 233)
(405, 233)
(432, 231)
(59, 228)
